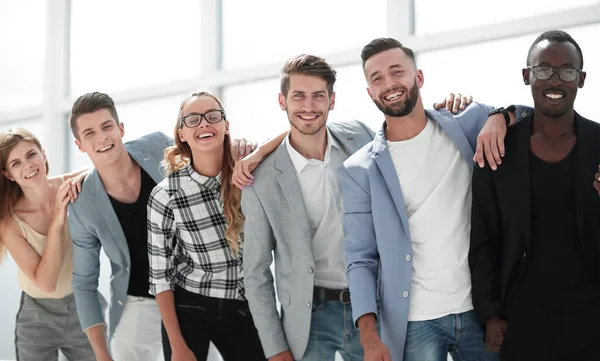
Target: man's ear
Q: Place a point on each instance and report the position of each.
(582, 75)
(122, 129)
(281, 101)
(78, 144)
(526, 75)
(332, 101)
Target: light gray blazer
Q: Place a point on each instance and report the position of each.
(276, 221)
(93, 224)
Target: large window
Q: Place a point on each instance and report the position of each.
(437, 16)
(491, 71)
(117, 45)
(22, 57)
(266, 31)
(253, 110)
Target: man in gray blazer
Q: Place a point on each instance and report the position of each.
(111, 213)
(294, 209)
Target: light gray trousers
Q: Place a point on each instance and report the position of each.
(45, 325)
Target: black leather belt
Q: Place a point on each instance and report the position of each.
(333, 295)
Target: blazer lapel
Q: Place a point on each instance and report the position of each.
(102, 204)
(147, 162)
(587, 158)
(516, 170)
(288, 180)
(383, 159)
(345, 135)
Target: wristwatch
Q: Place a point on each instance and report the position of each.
(504, 113)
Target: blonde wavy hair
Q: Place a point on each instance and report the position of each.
(180, 156)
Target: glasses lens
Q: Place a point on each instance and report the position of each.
(542, 72)
(192, 120)
(214, 116)
(567, 74)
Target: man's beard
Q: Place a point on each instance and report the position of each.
(403, 108)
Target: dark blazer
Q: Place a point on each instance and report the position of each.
(501, 215)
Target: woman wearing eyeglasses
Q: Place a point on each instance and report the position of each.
(195, 241)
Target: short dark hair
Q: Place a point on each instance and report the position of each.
(89, 103)
(555, 36)
(306, 64)
(380, 45)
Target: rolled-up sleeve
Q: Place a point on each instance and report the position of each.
(161, 222)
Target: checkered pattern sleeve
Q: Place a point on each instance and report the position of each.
(160, 241)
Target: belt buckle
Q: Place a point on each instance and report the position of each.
(342, 298)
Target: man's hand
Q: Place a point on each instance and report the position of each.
(490, 142)
(454, 103)
(495, 328)
(242, 176)
(597, 181)
(283, 356)
(241, 148)
(375, 350)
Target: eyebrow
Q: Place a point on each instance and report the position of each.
(207, 111)
(101, 125)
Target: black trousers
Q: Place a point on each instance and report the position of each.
(559, 334)
(227, 323)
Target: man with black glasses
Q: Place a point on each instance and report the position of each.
(535, 238)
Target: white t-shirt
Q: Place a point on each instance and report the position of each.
(322, 195)
(436, 186)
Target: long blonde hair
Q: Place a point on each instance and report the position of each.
(180, 155)
(10, 191)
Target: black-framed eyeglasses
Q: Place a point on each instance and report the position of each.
(545, 72)
(193, 120)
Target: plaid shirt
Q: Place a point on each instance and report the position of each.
(186, 238)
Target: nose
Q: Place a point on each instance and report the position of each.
(554, 78)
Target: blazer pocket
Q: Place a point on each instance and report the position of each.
(284, 297)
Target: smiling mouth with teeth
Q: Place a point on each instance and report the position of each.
(394, 95)
(205, 136)
(307, 117)
(32, 174)
(102, 150)
(554, 96)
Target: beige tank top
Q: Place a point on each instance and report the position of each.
(38, 242)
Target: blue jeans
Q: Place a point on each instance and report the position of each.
(459, 334)
(331, 330)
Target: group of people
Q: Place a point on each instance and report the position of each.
(471, 230)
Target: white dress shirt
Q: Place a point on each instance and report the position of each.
(322, 193)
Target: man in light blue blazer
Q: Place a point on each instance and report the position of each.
(407, 204)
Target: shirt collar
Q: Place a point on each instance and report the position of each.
(213, 183)
(300, 162)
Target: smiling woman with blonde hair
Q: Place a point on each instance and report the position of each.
(33, 229)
